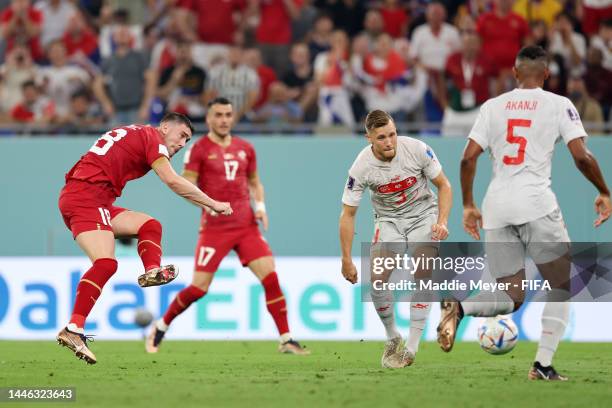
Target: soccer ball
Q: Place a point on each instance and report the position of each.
(142, 317)
(498, 335)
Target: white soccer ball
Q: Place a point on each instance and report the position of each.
(142, 317)
(498, 335)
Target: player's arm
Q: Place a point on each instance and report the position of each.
(445, 202)
(588, 166)
(347, 232)
(257, 191)
(186, 189)
(192, 177)
(472, 219)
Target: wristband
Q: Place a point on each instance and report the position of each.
(260, 206)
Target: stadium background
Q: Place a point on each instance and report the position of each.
(306, 78)
(304, 178)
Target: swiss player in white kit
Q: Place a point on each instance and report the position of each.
(397, 171)
(520, 211)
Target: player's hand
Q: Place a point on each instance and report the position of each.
(222, 208)
(439, 232)
(349, 271)
(262, 217)
(603, 208)
(211, 212)
(472, 221)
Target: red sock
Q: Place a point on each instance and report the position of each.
(275, 302)
(90, 287)
(149, 244)
(182, 301)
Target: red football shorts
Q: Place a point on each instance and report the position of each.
(87, 206)
(214, 245)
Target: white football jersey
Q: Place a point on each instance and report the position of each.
(520, 129)
(399, 188)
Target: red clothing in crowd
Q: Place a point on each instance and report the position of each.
(274, 22)
(502, 37)
(216, 27)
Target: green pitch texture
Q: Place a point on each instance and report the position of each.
(340, 374)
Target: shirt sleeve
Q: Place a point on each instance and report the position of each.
(353, 190)
(480, 130)
(154, 148)
(570, 125)
(192, 159)
(429, 161)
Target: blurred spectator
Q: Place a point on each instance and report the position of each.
(61, 80)
(301, 25)
(603, 42)
(273, 33)
(588, 108)
(21, 24)
(395, 18)
(539, 34)
(280, 107)
(300, 81)
(568, 44)
(34, 108)
(538, 10)
(17, 69)
(121, 87)
(557, 80)
(216, 22)
(55, 19)
(433, 42)
(182, 85)
(388, 86)
(83, 112)
(156, 13)
(332, 74)
(163, 53)
(348, 15)
(80, 38)
(468, 74)
(598, 80)
(120, 20)
(593, 13)
(373, 26)
(320, 35)
(266, 75)
(235, 81)
(431, 45)
(503, 33)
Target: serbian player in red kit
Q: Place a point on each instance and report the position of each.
(225, 167)
(87, 206)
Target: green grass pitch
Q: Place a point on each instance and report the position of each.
(342, 374)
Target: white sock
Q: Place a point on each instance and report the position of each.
(554, 321)
(487, 304)
(74, 328)
(161, 325)
(383, 302)
(419, 311)
(285, 337)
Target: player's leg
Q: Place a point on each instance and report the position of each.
(420, 246)
(90, 226)
(210, 251)
(128, 223)
(506, 260)
(549, 248)
(254, 252)
(387, 242)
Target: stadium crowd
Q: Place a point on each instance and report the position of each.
(73, 65)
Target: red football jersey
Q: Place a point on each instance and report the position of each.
(223, 174)
(120, 155)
